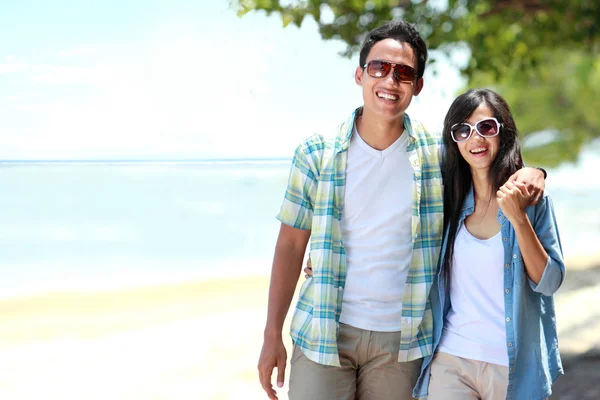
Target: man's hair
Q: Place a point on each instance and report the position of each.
(401, 31)
(456, 171)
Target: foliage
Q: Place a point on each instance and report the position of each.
(560, 100)
(542, 55)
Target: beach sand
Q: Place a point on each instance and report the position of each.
(186, 341)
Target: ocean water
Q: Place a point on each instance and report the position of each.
(105, 225)
(90, 225)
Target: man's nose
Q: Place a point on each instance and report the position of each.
(391, 77)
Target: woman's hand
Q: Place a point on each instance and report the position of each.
(513, 198)
(308, 269)
(534, 181)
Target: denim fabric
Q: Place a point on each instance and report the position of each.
(531, 338)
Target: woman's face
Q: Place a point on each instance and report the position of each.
(479, 152)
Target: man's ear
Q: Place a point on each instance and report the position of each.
(419, 86)
(358, 74)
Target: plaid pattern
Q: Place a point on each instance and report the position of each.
(314, 200)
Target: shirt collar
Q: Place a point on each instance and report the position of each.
(469, 206)
(346, 129)
(469, 203)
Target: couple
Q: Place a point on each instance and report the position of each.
(441, 285)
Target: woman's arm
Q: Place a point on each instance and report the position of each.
(512, 199)
(538, 240)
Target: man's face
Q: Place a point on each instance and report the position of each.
(387, 97)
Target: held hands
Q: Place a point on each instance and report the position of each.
(512, 198)
(272, 355)
(534, 180)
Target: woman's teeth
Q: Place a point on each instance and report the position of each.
(478, 150)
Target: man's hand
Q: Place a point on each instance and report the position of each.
(287, 265)
(512, 198)
(533, 179)
(272, 355)
(308, 269)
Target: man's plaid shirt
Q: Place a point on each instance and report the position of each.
(314, 200)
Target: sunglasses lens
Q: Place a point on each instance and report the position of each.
(461, 132)
(487, 127)
(378, 69)
(404, 73)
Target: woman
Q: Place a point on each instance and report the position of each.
(501, 262)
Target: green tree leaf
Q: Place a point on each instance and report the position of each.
(541, 55)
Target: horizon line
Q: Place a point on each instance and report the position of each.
(148, 160)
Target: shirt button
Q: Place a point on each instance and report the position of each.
(510, 344)
(511, 370)
(340, 288)
(514, 256)
(507, 265)
(507, 319)
(506, 239)
(506, 290)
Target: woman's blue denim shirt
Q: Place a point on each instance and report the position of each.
(531, 339)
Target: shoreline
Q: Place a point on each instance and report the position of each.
(50, 314)
(188, 340)
(577, 263)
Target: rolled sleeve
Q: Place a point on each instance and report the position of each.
(546, 230)
(551, 279)
(298, 203)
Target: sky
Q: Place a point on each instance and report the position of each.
(155, 79)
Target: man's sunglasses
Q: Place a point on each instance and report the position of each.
(485, 128)
(381, 69)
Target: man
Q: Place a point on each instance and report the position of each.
(370, 200)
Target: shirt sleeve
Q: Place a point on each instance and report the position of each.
(298, 202)
(546, 230)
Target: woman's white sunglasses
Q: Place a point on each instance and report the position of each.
(487, 127)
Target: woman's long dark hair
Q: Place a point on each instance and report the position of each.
(456, 171)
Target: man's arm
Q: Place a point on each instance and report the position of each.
(534, 180)
(287, 264)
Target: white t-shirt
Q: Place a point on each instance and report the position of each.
(376, 232)
(474, 327)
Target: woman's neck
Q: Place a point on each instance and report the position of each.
(481, 186)
(482, 223)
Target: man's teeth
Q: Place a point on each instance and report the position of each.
(476, 151)
(387, 96)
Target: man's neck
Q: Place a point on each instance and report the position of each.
(377, 132)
